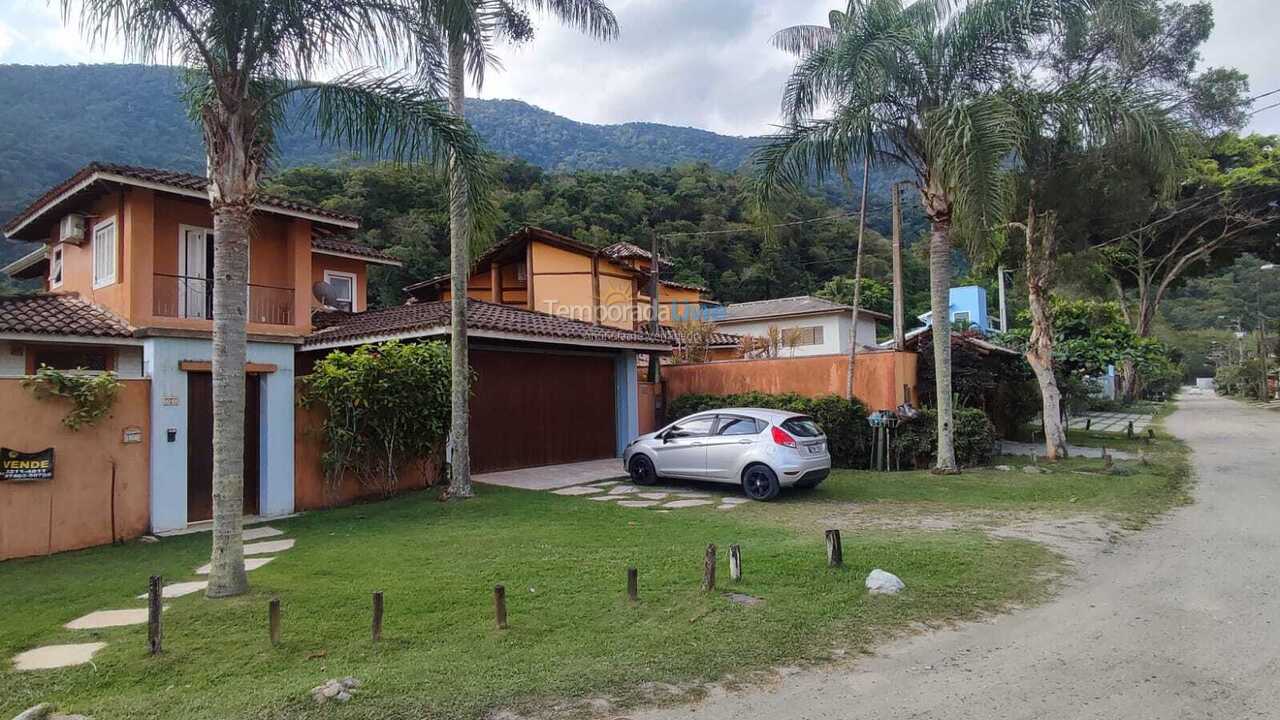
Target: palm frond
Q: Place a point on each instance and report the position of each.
(967, 145)
(590, 16)
(817, 150)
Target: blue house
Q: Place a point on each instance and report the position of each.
(968, 306)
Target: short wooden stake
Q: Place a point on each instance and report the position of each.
(1088, 424)
(1107, 461)
(500, 606)
(1151, 434)
(377, 616)
(1129, 431)
(835, 552)
(709, 569)
(154, 595)
(633, 584)
(273, 620)
(735, 562)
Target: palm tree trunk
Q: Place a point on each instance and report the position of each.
(939, 207)
(1040, 251)
(857, 276)
(460, 269)
(899, 294)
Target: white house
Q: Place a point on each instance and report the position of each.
(808, 325)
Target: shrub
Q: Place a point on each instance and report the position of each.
(975, 438)
(844, 422)
(91, 395)
(386, 407)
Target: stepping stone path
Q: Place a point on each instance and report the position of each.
(578, 490)
(637, 503)
(633, 496)
(688, 503)
(623, 490)
(66, 655)
(652, 496)
(56, 656)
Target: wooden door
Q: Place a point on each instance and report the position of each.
(200, 445)
(531, 409)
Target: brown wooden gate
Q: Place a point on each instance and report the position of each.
(532, 409)
(200, 445)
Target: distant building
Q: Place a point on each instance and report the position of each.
(807, 325)
(968, 306)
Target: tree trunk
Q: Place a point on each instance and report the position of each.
(938, 208)
(235, 155)
(460, 269)
(899, 294)
(857, 277)
(1040, 253)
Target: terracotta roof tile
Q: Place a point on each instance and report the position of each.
(48, 314)
(424, 317)
(717, 339)
(780, 307)
(170, 178)
(348, 246)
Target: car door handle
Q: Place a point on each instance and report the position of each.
(745, 442)
(696, 442)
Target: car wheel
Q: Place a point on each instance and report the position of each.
(642, 471)
(760, 483)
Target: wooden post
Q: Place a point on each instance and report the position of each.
(500, 606)
(1151, 435)
(735, 562)
(154, 596)
(1088, 424)
(835, 552)
(377, 616)
(709, 569)
(633, 585)
(1107, 460)
(273, 620)
(1129, 431)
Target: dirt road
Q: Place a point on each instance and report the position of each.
(1179, 621)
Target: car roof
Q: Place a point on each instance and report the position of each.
(772, 416)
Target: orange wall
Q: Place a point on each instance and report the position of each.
(77, 260)
(648, 395)
(78, 501)
(877, 381)
(320, 263)
(311, 490)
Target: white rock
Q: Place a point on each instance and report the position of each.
(260, 531)
(269, 546)
(578, 490)
(880, 582)
(38, 712)
(687, 503)
(56, 656)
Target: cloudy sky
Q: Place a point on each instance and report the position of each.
(702, 63)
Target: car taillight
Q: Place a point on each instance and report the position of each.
(782, 437)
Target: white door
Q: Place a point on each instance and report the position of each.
(195, 270)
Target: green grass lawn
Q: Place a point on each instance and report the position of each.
(572, 633)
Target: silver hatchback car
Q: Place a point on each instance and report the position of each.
(761, 450)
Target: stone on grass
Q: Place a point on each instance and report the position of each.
(148, 539)
(1032, 470)
(1003, 468)
(270, 546)
(606, 498)
(734, 500)
(744, 599)
(623, 489)
(177, 590)
(37, 712)
(880, 582)
(249, 564)
(652, 495)
(108, 618)
(334, 689)
(578, 490)
(261, 531)
(56, 656)
(637, 503)
(687, 503)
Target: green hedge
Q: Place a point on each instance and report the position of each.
(844, 422)
(975, 439)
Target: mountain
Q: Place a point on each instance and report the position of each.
(56, 119)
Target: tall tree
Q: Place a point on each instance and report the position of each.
(468, 28)
(246, 61)
(918, 84)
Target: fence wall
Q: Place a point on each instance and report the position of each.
(879, 377)
(100, 491)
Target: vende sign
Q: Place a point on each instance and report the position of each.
(26, 467)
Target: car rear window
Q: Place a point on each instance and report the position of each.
(802, 427)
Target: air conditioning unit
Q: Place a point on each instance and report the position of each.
(71, 229)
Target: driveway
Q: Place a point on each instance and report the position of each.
(1179, 621)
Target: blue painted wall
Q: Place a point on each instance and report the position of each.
(627, 401)
(971, 299)
(169, 410)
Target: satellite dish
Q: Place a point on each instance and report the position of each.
(326, 294)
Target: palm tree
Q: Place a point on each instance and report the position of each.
(247, 61)
(467, 28)
(914, 84)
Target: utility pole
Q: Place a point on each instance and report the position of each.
(653, 301)
(1262, 335)
(899, 294)
(1004, 312)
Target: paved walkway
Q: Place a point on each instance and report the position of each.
(550, 477)
(1010, 447)
(1179, 621)
(1114, 422)
(662, 498)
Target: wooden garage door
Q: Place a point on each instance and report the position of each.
(533, 409)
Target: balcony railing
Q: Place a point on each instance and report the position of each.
(180, 296)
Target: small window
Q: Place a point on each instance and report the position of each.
(961, 319)
(344, 289)
(55, 267)
(520, 272)
(802, 336)
(802, 427)
(700, 425)
(98, 359)
(731, 425)
(104, 253)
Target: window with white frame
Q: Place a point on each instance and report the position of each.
(55, 267)
(344, 289)
(104, 253)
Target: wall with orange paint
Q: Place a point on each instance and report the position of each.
(878, 377)
(75, 509)
(320, 263)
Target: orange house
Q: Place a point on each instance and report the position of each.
(126, 261)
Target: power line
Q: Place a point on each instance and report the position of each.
(1255, 98)
(757, 228)
(1268, 107)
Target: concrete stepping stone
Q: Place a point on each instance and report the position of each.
(652, 496)
(108, 618)
(692, 495)
(623, 490)
(637, 503)
(249, 564)
(578, 490)
(607, 498)
(726, 507)
(56, 656)
(734, 500)
(177, 590)
(687, 503)
(606, 483)
(261, 531)
(270, 546)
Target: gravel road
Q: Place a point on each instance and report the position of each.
(1179, 621)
